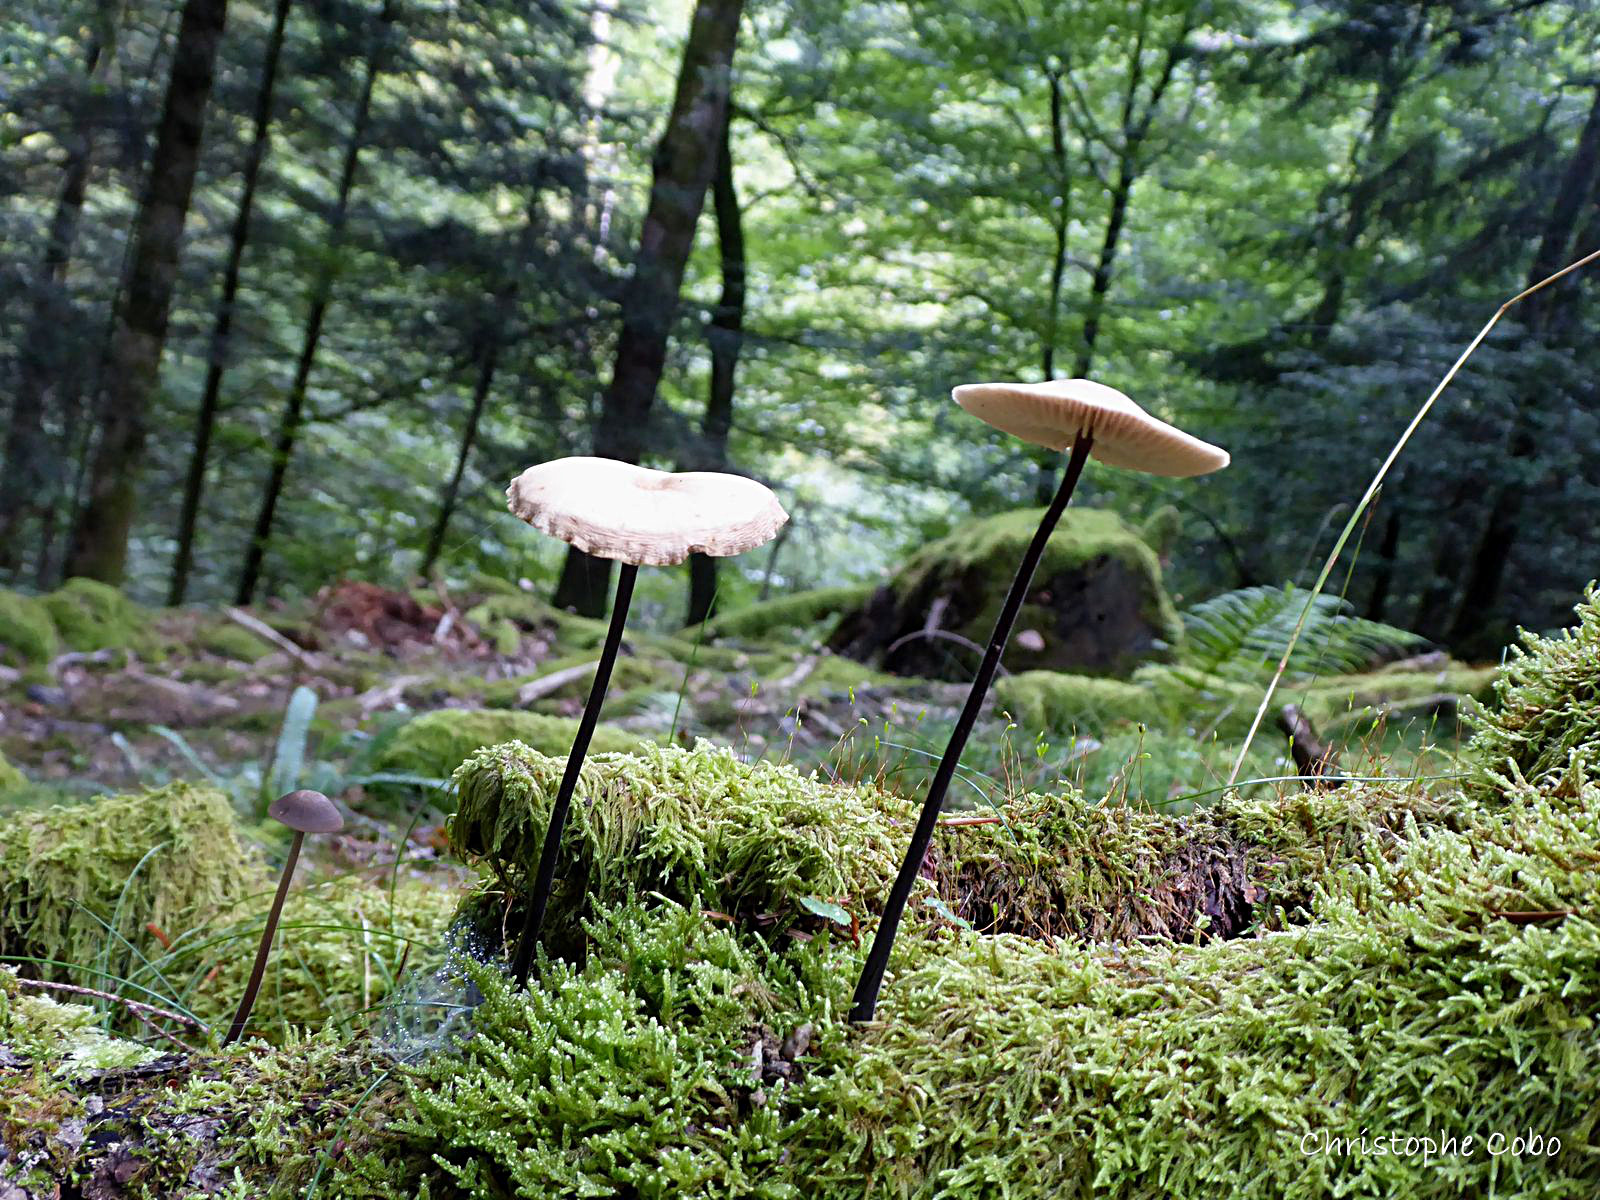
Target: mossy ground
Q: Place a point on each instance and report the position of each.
(812, 610)
(1106, 999)
(434, 744)
(84, 883)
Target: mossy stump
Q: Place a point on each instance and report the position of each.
(1097, 605)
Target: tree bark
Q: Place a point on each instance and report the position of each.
(293, 417)
(469, 435)
(1388, 552)
(222, 327)
(1472, 630)
(139, 329)
(726, 336)
(682, 168)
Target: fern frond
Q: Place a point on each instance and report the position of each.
(1240, 635)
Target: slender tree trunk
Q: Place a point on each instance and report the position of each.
(222, 327)
(100, 541)
(1383, 576)
(293, 416)
(1363, 191)
(1473, 629)
(28, 476)
(469, 435)
(684, 162)
(726, 336)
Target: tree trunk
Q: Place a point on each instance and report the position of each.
(1472, 629)
(725, 335)
(681, 171)
(293, 416)
(139, 330)
(469, 435)
(1383, 576)
(222, 328)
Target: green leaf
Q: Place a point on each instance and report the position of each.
(289, 756)
(948, 913)
(826, 910)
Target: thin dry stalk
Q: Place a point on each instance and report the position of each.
(1377, 482)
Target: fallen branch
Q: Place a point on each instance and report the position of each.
(137, 1007)
(387, 693)
(270, 635)
(1311, 756)
(536, 689)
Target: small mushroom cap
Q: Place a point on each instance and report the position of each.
(306, 812)
(1055, 412)
(635, 515)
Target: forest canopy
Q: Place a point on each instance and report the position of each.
(289, 291)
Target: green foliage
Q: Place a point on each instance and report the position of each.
(1544, 719)
(436, 743)
(1241, 635)
(94, 616)
(1028, 1067)
(759, 842)
(28, 636)
(787, 614)
(630, 1075)
(746, 838)
(80, 884)
(67, 1038)
(338, 952)
(1055, 700)
(11, 779)
(227, 640)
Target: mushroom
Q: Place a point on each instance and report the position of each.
(304, 812)
(1091, 418)
(639, 517)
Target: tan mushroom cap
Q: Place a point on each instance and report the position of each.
(635, 515)
(1055, 412)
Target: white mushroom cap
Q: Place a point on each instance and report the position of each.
(1055, 412)
(635, 515)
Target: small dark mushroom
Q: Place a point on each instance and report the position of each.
(1058, 413)
(638, 517)
(304, 812)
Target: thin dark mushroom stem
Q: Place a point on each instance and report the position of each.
(248, 1000)
(540, 898)
(865, 1002)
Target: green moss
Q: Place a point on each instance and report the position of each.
(436, 743)
(1023, 1066)
(1346, 698)
(168, 857)
(68, 1038)
(28, 636)
(754, 840)
(1113, 613)
(1544, 715)
(338, 951)
(787, 614)
(11, 779)
(1054, 700)
(1161, 529)
(94, 616)
(227, 640)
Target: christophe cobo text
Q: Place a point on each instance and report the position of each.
(1526, 1144)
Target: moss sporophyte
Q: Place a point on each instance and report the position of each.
(1092, 419)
